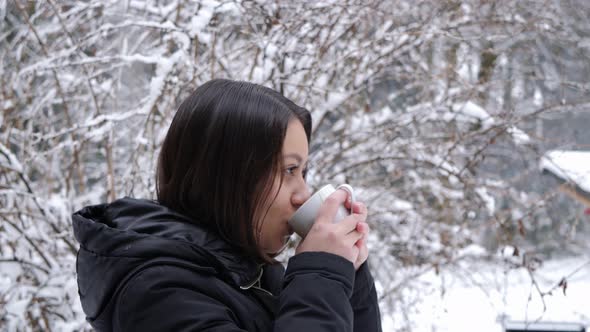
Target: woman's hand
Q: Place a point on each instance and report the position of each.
(362, 227)
(362, 245)
(346, 238)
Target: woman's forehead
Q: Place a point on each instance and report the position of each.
(295, 144)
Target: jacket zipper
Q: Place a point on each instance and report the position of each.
(256, 284)
(257, 280)
(263, 290)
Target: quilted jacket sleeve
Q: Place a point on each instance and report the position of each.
(316, 294)
(364, 302)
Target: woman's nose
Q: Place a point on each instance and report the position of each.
(300, 196)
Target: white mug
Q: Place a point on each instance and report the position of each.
(305, 216)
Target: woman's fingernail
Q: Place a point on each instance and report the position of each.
(357, 208)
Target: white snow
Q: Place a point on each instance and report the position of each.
(160, 10)
(538, 98)
(471, 112)
(7, 104)
(401, 205)
(3, 10)
(476, 112)
(519, 136)
(339, 125)
(573, 166)
(13, 160)
(487, 198)
(481, 296)
(200, 21)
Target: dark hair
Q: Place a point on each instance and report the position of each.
(220, 156)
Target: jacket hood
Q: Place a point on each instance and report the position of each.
(119, 238)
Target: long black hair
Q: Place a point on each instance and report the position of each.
(221, 154)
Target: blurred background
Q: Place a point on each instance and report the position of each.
(462, 124)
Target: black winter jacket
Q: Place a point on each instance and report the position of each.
(143, 267)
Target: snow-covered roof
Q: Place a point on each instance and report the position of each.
(543, 326)
(571, 166)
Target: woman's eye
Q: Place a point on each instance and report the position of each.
(291, 170)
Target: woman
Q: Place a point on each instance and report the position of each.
(231, 172)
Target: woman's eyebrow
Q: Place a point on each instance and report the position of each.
(293, 155)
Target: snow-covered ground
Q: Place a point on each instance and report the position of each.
(479, 296)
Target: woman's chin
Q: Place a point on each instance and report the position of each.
(279, 247)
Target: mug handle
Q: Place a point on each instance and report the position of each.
(350, 191)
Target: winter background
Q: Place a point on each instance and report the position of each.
(462, 124)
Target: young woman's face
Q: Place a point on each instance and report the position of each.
(292, 193)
